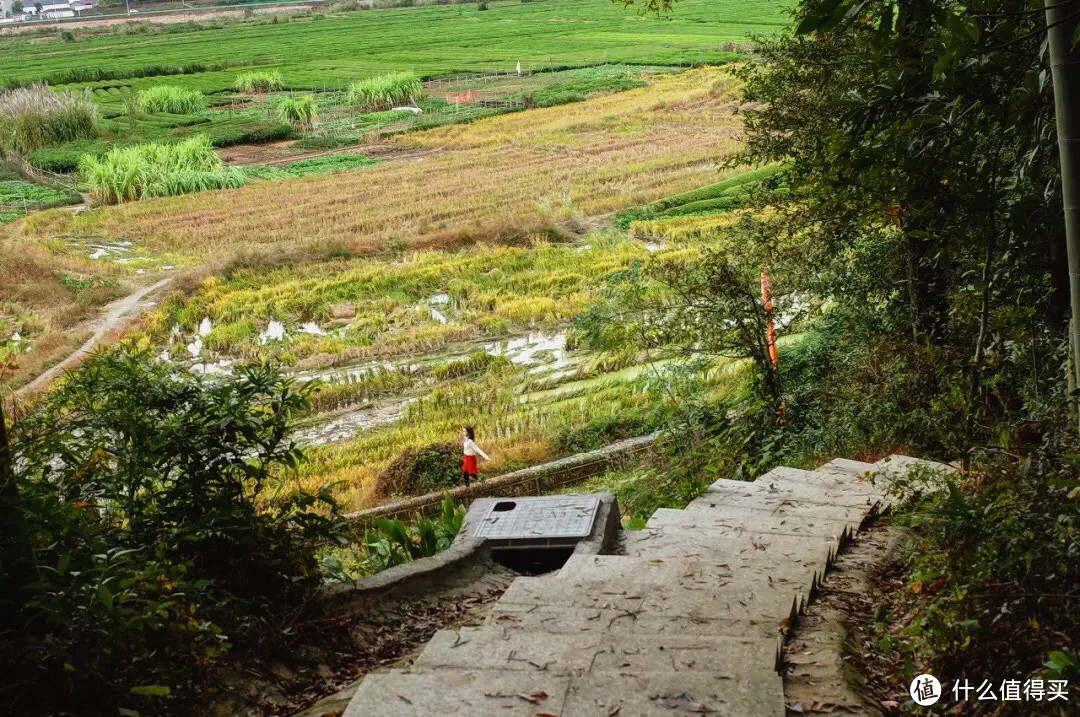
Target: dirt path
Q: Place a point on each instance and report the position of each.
(111, 318)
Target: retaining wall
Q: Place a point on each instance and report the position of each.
(535, 480)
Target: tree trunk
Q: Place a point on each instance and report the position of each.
(16, 554)
(1061, 21)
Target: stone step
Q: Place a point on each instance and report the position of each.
(470, 693)
(799, 557)
(667, 694)
(781, 518)
(713, 570)
(751, 595)
(510, 617)
(803, 492)
(896, 466)
(674, 541)
(846, 481)
(498, 693)
(846, 465)
(597, 651)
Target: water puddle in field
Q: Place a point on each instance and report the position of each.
(430, 304)
(117, 249)
(312, 328)
(274, 331)
(221, 367)
(540, 351)
(347, 425)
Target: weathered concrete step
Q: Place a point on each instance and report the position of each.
(781, 518)
(803, 492)
(778, 502)
(799, 558)
(842, 482)
(695, 542)
(835, 479)
(510, 617)
(846, 465)
(598, 651)
(895, 466)
(401, 693)
(667, 694)
(491, 693)
(714, 570)
(754, 595)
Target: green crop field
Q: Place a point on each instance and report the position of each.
(330, 51)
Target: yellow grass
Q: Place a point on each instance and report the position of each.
(42, 298)
(455, 185)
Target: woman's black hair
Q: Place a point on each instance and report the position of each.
(470, 432)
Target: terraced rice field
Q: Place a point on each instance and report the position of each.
(494, 180)
(409, 349)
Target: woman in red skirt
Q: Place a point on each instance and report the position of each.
(469, 468)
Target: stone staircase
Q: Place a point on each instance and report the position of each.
(690, 620)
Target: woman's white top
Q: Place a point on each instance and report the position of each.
(471, 449)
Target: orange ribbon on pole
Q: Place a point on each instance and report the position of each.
(770, 327)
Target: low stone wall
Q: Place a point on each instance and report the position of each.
(535, 480)
(464, 562)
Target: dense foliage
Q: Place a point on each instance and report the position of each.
(424, 469)
(258, 81)
(148, 541)
(392, 541)
(384, 91)
(168, 98)
(34, 116)
(157, 170)
(920, 252)
(300, 112)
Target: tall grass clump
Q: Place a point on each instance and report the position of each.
(300, 112)
(33, 117)
(258, 81)
(171, 99)
(157, 170)
(385, 91)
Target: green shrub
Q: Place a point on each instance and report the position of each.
(423, 470)
(100, 74)
(477, 361)
(601, 431)
(392, 542)
(307, 167)
(149, 544)
(157, 170)
(258, 81)
(65, 157)
(300, 112)
(33, 117)
(374, 93)
(171, 99)
(1003, 541)
(227, 134)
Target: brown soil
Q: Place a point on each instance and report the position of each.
(826, 659)
(327, 658)
(241, 155)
